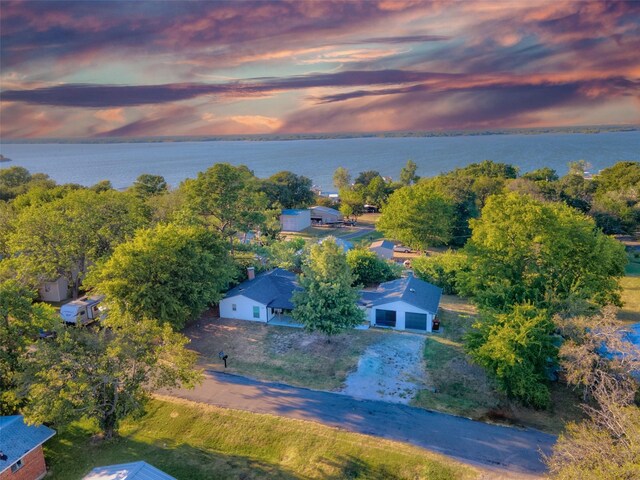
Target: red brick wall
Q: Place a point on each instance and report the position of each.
(33, 467)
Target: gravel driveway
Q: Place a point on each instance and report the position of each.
(390, 370)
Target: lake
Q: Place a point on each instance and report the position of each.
(121, 163)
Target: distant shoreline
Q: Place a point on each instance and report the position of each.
(331, 136)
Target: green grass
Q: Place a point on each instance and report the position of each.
(633, 267)
(282, 354)
(630, 311)
(194, 441)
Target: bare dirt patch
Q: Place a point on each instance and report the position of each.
(276, 353)
(390, 370)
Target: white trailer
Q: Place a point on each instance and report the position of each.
(83, 311)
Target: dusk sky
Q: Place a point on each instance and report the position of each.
(129, 69)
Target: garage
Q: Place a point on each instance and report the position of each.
(415, 321)
(385, 318)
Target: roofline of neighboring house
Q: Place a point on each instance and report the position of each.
(38, 445)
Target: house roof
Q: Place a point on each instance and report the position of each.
(328, 210)
(410, 290)
(128, 471)
(273, 288)
(382, 243)
(17, 439)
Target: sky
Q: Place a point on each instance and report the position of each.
(167, 68)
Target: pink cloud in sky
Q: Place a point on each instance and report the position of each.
(75, 69)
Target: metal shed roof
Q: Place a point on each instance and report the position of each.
(128, 471)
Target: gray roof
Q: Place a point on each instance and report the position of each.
(383, 243)
(410, 290)
(345, 245)
(128, 471)
(328, 210)
(17, 439)
(273, 288)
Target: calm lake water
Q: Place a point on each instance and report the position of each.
(121, 163)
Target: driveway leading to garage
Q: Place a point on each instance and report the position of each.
(390, 370)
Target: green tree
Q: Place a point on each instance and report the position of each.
(147, 185)
(17, 180)
(516, 348)
(418, 216)
(544, 174)
(288, 190)
(20, 323)
(441, 270)
(287, 254)
(408, 173)
(367, 268)
(105, 375)
(228, 198)
(66, 235)
(376, 192)
(352, 200)
(102, 186)
(526, 251)
(168, 272)
(327, 302)
(341, 178)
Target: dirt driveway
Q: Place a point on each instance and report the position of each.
(390, 370)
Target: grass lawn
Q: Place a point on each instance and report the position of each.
(630, 312)
(194, 441)
(462, 388)
(282, 354)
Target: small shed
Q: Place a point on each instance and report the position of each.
(128, 471)
(21, 456)
(295, 220)
(55, 291)
(382, 248)
(325, 215)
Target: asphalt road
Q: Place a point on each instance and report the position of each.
(515, 450)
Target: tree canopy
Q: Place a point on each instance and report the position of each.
(288, 190)
(367, 268)
(418, 216)
(168, 272)
(327, 301)
(524, 250)
(147, 185)
(105, 375)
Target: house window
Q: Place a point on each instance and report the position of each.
(233, 307)
(256, 312)
(17, 466)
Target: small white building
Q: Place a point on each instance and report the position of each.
(55, 291)
(295, 220)
(262, 298)
(382, 248)
(325, 215)
(404, 304)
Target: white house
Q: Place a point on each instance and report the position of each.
(55, 291)
(382, 248)
(262, 298)
(404, 304)
(295, 220)
(325, 215)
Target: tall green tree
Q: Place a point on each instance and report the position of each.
(170, 273)
(66, 235)
(105, 375)
(516, 348)
(524, 250)
(327, 302)
(441, 270)
(288, 190)
(341, 178)
(408, 173)
(20, 323)
(228, 198)
(147, 185)
(418, 216)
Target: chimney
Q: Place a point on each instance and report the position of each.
(251, 273)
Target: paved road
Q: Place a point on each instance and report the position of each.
(506, 448)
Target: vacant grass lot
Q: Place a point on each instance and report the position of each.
(282, 354)
(193, 441)
(461, 388)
